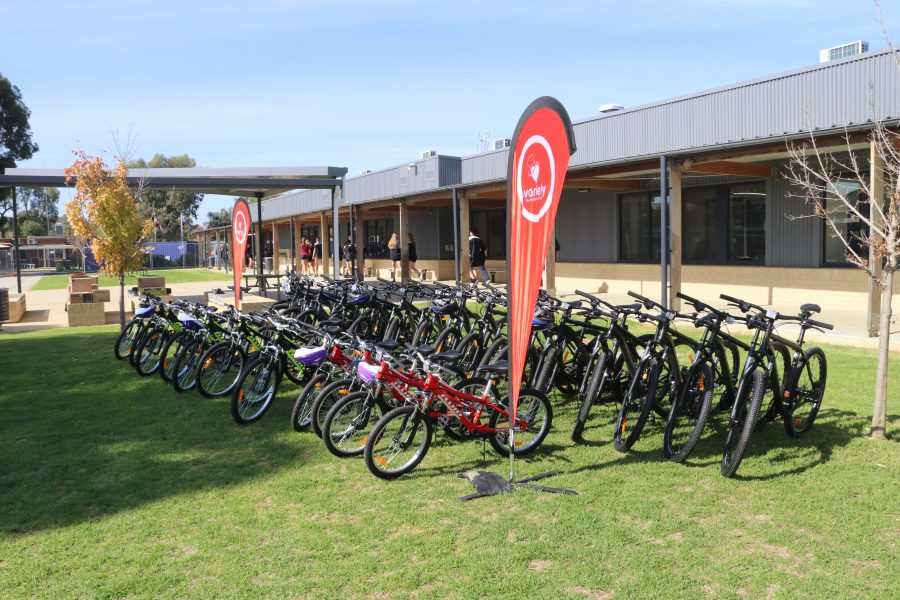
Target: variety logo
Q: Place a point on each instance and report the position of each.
(535, 178)
(240, 227)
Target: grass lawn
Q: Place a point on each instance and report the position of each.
(112, 485)
(59, 282)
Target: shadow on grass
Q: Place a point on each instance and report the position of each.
(83, 436)
(832, 429)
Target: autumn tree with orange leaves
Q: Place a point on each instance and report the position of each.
(105, 212)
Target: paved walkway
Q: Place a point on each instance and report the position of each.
(46, 309)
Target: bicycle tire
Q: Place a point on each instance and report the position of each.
(447, 339)
(126, 340)
(806, 392)
(591, 393)
(244, 410)
(636, 405)
(742, 426)
(169, 352)
(326, 398)
(301, 413)
(153, 342)
(346, 428)
(535, 407)
(384, 445)
(215, 365)
(689, 413)
(185, 370)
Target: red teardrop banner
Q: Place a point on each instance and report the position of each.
(240, 231)
(541, 147)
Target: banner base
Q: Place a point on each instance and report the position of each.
(487, 483)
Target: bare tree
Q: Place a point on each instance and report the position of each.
(875, 205)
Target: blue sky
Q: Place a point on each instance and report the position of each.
(368, 84)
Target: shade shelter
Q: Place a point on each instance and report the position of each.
(256, 182)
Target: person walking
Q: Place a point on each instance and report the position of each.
(477, 256)
(349, 257)
(412, 256)
(306, 255)
(317, 256)
(394, 255)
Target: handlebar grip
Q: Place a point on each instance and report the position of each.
(698, 304)
(820, 324)
(728, 298)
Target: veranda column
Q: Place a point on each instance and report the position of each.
(675, 227)
(360, 244)
(876, 173)
(325, 239)
(298, 239)
(275, 248)
(404, 230)
(464, 258)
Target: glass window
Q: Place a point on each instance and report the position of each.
(491, 226)
(850, 225)
(747, 223)
(377, 233)
(639, 228)
(698, 225)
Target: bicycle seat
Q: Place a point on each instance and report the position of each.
(812, 308)
(501, 366)
(332, 329)
(387, 344)
(424, 350)
(331, 322)
(450, 356)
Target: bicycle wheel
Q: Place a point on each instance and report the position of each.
(571, 358)
(726, 370)
(169, 352)
(185, 370)
(447, 339)
(804, 397)
(743, 422)
(255, 390)
(591, 393)
(149, 351)
(636, 405)
(398, 442)
(679, 356)
(301, 414)
(348, 423)
(326, 398)
(471, 347)
(546, 371)
(126, 341)
(689, 413)
(219, 368)
(364, 327)
(535, 411)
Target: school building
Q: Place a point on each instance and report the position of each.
(736, 225)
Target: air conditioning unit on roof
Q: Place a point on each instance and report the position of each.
(365, 172)
(429, 153)
(32, 242)
(501, 143)
(843, 51)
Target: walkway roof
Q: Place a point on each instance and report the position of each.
(241, 181)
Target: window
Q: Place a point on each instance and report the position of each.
(721, 224)
(698, 229)
(850, 225)
(377, 233)
(747, 223)
(639, 228)
(491, 226)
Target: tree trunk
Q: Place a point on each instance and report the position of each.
(122, 299)
(879, 410)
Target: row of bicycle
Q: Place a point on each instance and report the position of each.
(381, 367)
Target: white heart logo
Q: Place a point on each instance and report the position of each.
(534, 171)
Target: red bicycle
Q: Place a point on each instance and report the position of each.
(401, 438)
